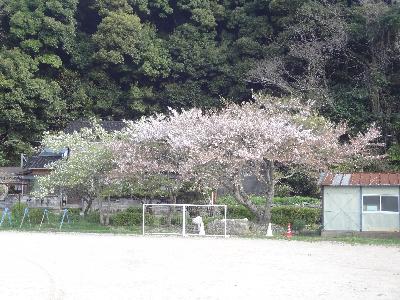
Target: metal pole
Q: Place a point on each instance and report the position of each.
(143, 209)
(184, 220)
(23, 218)
(65, 214)
(41, 222)
(225, 221)
(6, 213)
(361, 208)
(3, 216)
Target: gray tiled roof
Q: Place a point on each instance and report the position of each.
(40, 162)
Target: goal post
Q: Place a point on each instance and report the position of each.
(184, 219)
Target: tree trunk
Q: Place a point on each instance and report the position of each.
(171, 210)
(104, 212)
(101, 213)
(244, 199)
(107, 220)
(89, 202)
(262, 213)
(270, 185)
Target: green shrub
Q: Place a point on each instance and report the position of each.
(227, 200)
(282, 215)
(296, 200)
(93, 217)
(151, 219)
(236, 210)
(283, 190)
(17, 212)
(137, 210)
(288, 210)
(74, 212)
(74, 215)
(239, 212)
(129, 217)
(259, 200)
(36, 215)
(299, 225)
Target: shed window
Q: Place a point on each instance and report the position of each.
(372, 203)
(378, 203)
(390, 203)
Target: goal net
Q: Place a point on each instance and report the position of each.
(184, 219)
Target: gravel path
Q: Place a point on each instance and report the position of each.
(88, 266)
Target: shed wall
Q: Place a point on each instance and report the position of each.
(381, 190)
(342, 208)
(381, 221)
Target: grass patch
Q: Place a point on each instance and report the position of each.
(74, 226)
(87, 227)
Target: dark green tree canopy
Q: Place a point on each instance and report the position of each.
(120, 59)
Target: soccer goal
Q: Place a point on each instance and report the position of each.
(184, 219)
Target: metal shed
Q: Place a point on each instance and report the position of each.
(361, 202)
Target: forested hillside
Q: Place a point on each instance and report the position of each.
(120, 59)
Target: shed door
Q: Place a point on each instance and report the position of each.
(341, 209)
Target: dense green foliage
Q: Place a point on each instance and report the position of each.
(282, 215)
(129, 217)
(286, 210)
(65, 59)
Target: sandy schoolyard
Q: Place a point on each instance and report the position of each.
(89, 266)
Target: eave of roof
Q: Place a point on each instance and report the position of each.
(360, 179)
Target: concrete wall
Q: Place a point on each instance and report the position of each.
(55, 202)
(343, 210)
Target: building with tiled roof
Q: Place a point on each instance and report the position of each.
(40, 164)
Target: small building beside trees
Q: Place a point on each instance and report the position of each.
(361, 202)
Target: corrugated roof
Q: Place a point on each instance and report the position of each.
(109, 126)
(357, 179)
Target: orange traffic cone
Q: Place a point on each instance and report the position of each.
(289, 232)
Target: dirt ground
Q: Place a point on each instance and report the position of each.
(89, 266)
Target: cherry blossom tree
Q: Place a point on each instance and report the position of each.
(83, 172)
(221, 146)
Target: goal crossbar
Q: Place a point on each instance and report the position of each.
(184, 218)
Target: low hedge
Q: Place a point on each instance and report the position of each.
(129, 217)
(35, 215)
(93, 217)
(258, 200)
(296, 200)
(286, 210)
(17, 212)
(282, 215)
(239, 212)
